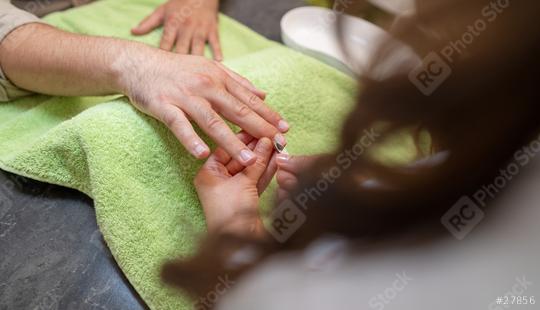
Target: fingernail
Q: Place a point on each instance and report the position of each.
(283, 125)
(280, 141)
(199, 149)
(282, 159)
(246, 155)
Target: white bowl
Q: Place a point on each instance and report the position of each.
(313, 31)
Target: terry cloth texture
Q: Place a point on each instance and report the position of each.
(137, 173)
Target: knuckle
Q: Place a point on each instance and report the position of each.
(173, 20)
(274, 116)
(168, 35)
(261, 163)
(197, 181)
(221, 75)
(203, 81)
(205, 106)
(243, 110)
(170, 119)
(199, 37)
(254, 101)
(213, 122)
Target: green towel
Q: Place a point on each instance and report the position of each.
(137, 173)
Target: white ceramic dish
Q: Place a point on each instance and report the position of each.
(313, 31)
(396, 7)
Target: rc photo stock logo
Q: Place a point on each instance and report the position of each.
(290, 214)
(430, 74)
(434, 69)
(287, 219)
(462, 217)
(468, 212)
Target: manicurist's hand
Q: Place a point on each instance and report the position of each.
(230, 193)
(289, 168)
(187, 26)
(178, 88)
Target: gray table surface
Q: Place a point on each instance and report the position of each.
(52, 255)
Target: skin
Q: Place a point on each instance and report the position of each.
(222, 177)
(170, 87)
(289, 167)
(187, 26)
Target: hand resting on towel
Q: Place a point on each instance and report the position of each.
(170, 87)
(188, 24)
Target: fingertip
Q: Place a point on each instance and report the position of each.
(260, 93)
(139, 30)
(282, 159)
(203, 155)
(201, 151)
(283, 126)
(247, 157)
(280, 141)
(286, 180)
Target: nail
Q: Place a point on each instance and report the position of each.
(283, 126)
(280, 142)
(282, 159)
(199, 149)
(247, 155)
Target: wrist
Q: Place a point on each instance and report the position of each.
(127, 64)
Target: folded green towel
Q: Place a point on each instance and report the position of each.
(138, 174)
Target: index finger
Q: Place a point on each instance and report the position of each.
(223, 157)
(242, 81)
(210, 122)
(213, 39)
(257, 105)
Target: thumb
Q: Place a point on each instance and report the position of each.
(150, 23)
(295, 164)
(263, 150)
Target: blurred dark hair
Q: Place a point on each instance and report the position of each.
(483, 112)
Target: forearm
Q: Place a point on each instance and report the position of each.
(43, 59)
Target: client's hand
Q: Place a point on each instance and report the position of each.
(187, 23)
(230, 193)
(176, 88)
